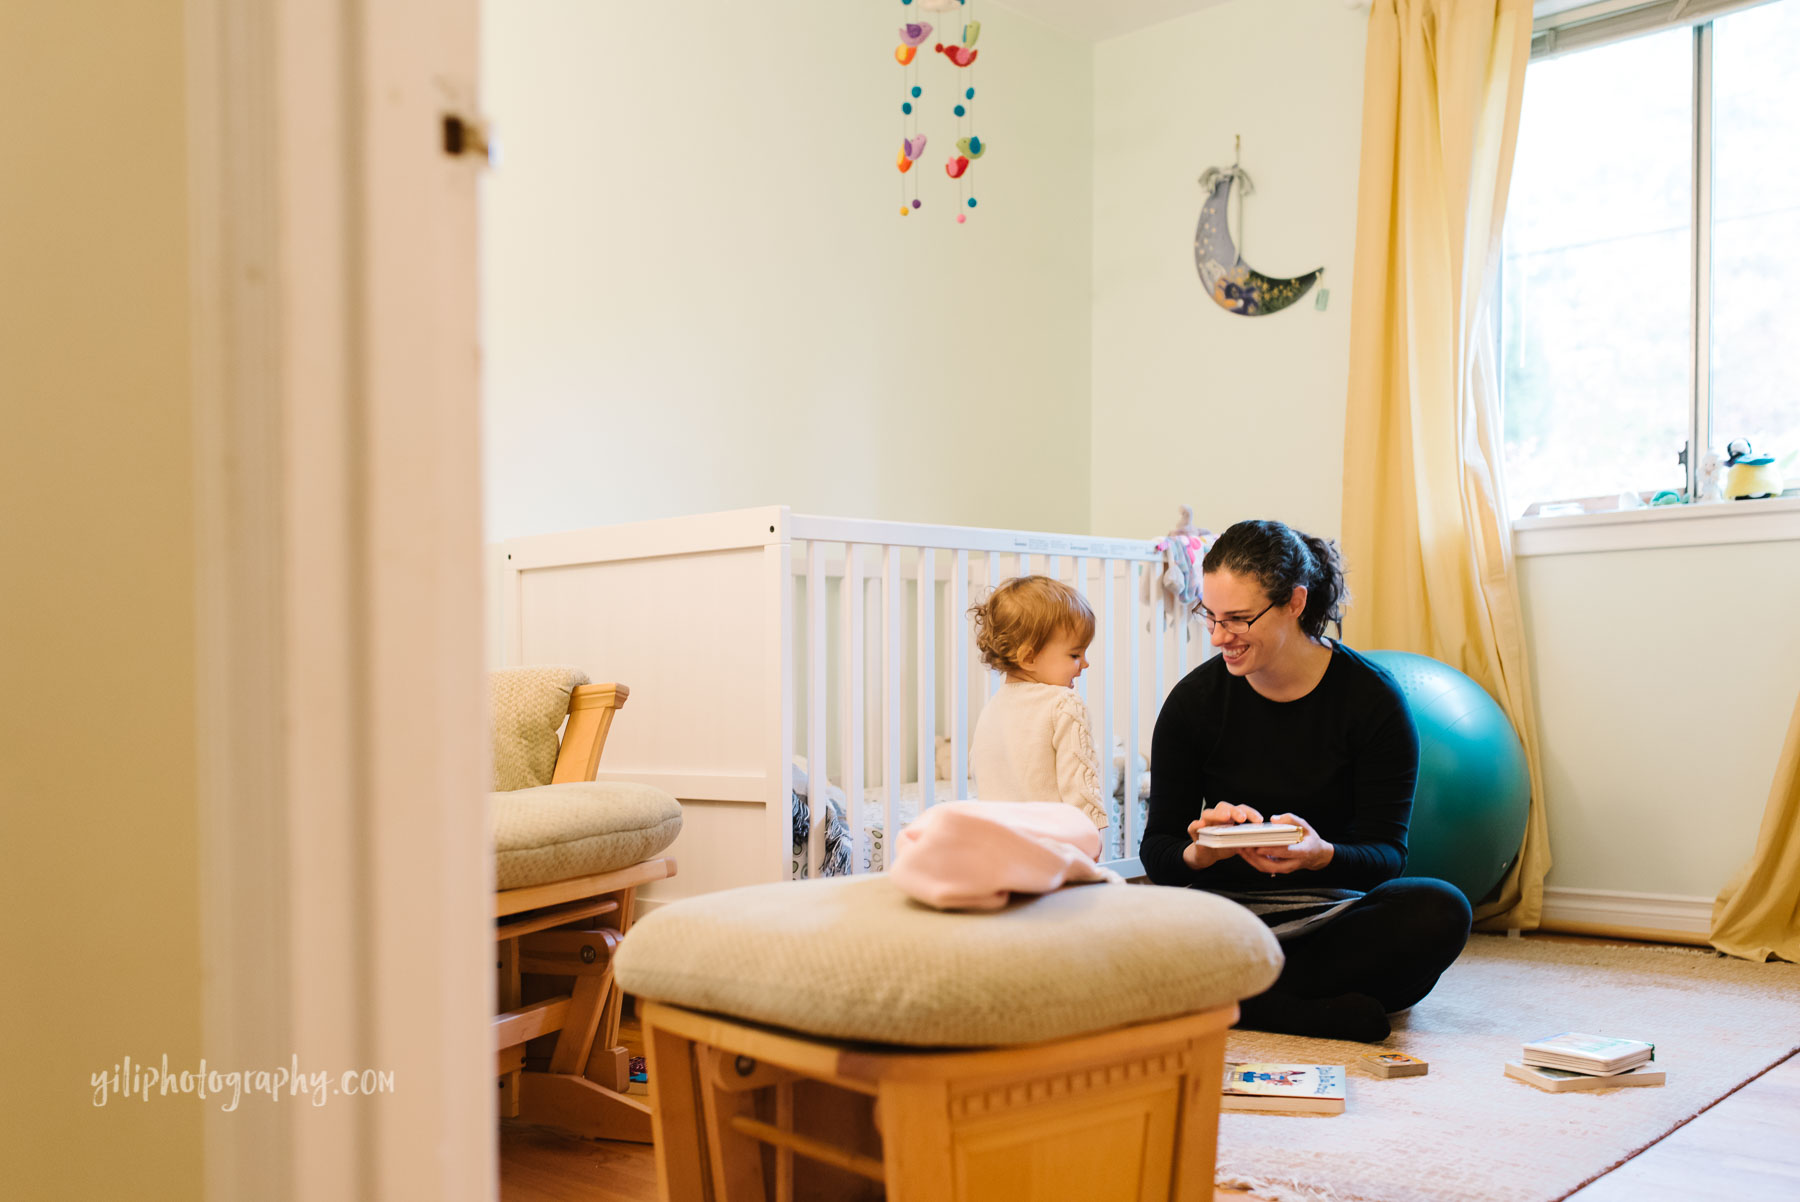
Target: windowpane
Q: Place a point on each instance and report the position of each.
(1756, 230)
(1596, 279)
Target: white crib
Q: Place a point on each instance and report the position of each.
(755, 636)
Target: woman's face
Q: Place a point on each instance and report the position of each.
(1228, 601)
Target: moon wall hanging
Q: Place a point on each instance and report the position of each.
(915, 36)
(1232, 283)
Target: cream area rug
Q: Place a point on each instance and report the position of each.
(1465, 1132)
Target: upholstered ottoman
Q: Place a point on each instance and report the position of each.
(834, 1039)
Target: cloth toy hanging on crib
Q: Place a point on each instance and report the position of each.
(1179, 577)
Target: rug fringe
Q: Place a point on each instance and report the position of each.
(1269, 1189)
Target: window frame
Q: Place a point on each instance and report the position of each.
(1562, 30)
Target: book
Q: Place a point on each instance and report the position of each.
(1556, 1080)
(1284, 1088)
(1395, 1064)
(1595, 1055)
(1250, 834)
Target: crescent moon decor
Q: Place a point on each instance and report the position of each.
(961, 58)
(1233, 284)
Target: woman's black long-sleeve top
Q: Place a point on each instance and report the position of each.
(1345, 757)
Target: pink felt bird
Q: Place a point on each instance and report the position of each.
(962, 56)
(912, 148)
(913, 33)
(956, 166)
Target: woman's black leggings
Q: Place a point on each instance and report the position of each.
(1391, 944)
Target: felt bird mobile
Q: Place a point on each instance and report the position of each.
(961, 57)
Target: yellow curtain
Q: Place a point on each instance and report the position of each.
(1758, 913)
(1425, 530)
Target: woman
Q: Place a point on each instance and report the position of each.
(1287, 725)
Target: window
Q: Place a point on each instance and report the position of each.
(1650, 289)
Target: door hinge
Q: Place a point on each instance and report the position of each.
(463, 136)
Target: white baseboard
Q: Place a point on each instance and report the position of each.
(1644, 911)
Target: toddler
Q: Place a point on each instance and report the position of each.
(1033, 742)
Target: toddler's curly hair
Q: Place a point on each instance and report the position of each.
(1021, 616)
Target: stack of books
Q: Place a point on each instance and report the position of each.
(1576, 1061)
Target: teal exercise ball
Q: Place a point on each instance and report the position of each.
(1474, 789)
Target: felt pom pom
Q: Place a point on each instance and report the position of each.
(960, 219)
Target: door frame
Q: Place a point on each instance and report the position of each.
(347, 877)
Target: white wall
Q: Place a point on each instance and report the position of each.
(1242, 416)
(700, 294)
(1664, 678)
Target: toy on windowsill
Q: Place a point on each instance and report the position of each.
(1749, 476)
(1710, 485)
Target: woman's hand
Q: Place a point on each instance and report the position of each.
(1312, 852)
(1223, 814)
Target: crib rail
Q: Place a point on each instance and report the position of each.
(754, 637)
(877, 720)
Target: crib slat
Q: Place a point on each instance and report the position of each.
(853, 734)
(1053, 567)
(1081, 586)
(927, 681)
(1134, 616)
(816, 756)
(1108, 771)
(958, 635)
(996, 577)
(893, 695)
(1159, 636)
(1181, 645)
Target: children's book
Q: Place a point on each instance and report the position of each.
(1595, 1055)
(1284, 1088)
(1250, 834)
(1395, 1064)
(1557, 1080)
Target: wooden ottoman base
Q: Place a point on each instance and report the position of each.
(744, 1113)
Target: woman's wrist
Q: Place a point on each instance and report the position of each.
(1326, 853)
(1199, 857)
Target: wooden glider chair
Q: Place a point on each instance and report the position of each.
(570, 853)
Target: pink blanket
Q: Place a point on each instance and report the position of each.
(970, 855)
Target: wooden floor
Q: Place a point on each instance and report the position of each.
(1746, 1149)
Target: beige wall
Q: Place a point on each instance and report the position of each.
(97, 772)
(1243, 417)
(681, 253)
(1664, 678)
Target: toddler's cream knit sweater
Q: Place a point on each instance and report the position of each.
(1033, 744)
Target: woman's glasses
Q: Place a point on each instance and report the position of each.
(1232, 625)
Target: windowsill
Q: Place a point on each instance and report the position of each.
(1773, 520)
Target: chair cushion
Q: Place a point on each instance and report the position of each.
(528, 706)
(577, 829)
(854, 958)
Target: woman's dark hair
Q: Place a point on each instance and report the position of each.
(1282, 559)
